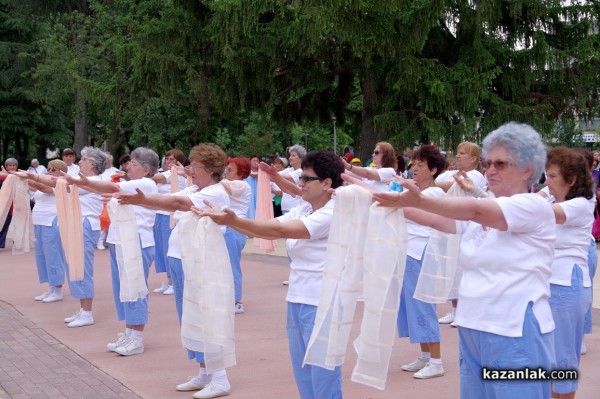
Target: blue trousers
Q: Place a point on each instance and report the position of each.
(49, 255)
(235, 242)
(416, 319)
(133, 313)
(162, 232)
(84, 289)
(313, 382)
(569, 305)
(4, 231)
(592, 265)
(478, 349)
(178, 277)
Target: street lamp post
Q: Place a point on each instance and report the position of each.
(305, 140)
(334, 119)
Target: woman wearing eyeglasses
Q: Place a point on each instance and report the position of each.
(506, 252)
(49, 255)
(143, 165)
(378, 178)
(208, 163)
(307, 230)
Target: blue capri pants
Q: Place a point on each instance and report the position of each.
(235, 242)
(49, 256)
(592, 265)
(313, 382)
(569, 306)
(84, 289)
(133, 313)
(162, 232)
(416, 319)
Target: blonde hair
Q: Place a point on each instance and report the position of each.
(58, 164)
(473, 150)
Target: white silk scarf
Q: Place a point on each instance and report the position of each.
(128, 252)
(207, 323)
(366, 251)
(68, 210)
(264, 209)
(174, 189)
(15, 191)
(440, 273)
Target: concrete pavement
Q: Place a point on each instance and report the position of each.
(41, 358)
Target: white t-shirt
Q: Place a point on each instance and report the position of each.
(240, 202)
(418, 235)
(308, 256)
(385, 174)
(572, 242)
(73, 170)
(143, 216)
(40, 170)
(478, 179)
(91, 205)
(165, 188)
(505, 270)
(215, 193)
(291, 201)
(44, 211)
(107, 174)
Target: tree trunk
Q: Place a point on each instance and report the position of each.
(81, 133)
(369, 135)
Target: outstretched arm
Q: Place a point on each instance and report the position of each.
(169, 203)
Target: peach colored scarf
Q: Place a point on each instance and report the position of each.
(68, 210)
(15, 191)
(129, 252)
(264, 209)
(207, 323)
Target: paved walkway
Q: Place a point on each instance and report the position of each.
(41, 358)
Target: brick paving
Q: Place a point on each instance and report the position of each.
(34, 365)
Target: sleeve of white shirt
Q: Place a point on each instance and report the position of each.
(524, 212)
(146, 186)
(296, 175)
(577, 212)
(318, 223)
(478, 179)
(385, 174)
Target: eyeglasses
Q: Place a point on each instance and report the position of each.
(52, 170)
(499, 164)
(306, 179)
(376, 152)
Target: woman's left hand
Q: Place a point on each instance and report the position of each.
(410, 197)
(130, 199)
(223, 217)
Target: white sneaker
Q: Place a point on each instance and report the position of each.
(583, 348)
(416, 365)
(429, 371)
(286, 282)
(239, 308)
(448, 319)
(112, 346)
(100, 246)
(81, 321)
(42, 297)
(53, 297)
(130, 347)
(453, 324)
(212, 390)
(161, 289)
(74, 317)
(194, 384)
(169, 290)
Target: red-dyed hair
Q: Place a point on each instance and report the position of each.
(242, 165)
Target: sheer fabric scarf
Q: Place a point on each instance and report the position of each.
(15, 191)
(68, 210)
(207, 323)
(128, 252)
(264, 210)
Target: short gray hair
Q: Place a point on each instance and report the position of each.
(147, 158)
(97, 156)
(298, 149)
(525, 145)
(11, 161)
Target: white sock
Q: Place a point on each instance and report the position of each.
(220, 377)
(51, 290)
(128, 332)
(425, 355)
(435, 362)
(86, 314)
(202, 372)
(137, 335)
(57, 290)
(453, 311)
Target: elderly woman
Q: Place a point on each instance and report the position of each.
(292, 174)
(49, 255)
(307, 230)
(237, 170)
(506, 251)
(162, 225)
(10, 166)
(570, 184)
(384, 157)
(143, 164)
(208, 163)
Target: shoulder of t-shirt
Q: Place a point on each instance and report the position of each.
(434, 191)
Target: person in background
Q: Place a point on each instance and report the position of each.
(292, 174)
(37, 168)
(252, 181)
(68, 157)
(356, 162)
(279, 163)
(124, 166)
(378, 177)
(110, 170)
(162, 224)
(10, 166)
